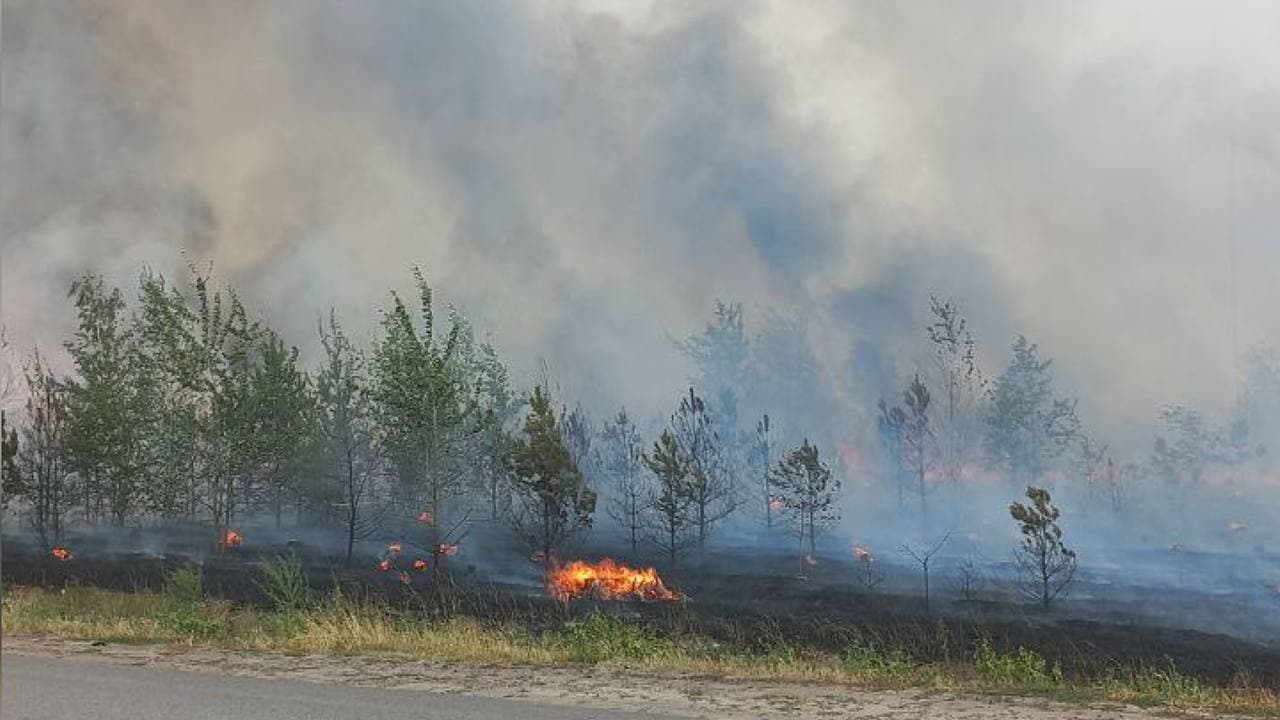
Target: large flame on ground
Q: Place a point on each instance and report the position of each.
(61, 553)
(607, 580)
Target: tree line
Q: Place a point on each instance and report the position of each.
(185, 407)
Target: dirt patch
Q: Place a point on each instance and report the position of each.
(584, 686)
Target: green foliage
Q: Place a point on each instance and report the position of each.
(1027, 427)
(106, 401)
(600, 637)
(285, 581)
(347, 431)
(867, 660)
(187, 613)
(285, 419)
(1020, 668)
(48, 481)
(1048, 566)
(12, 478)
(201, 352)
(810, 494)
(185, 586)
(191, 620)
(556, 500)
(622, 460)
(707, 486)
(669, 504)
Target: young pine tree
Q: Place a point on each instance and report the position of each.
(553, 499)
(1047, 565)
(708, 486)
(1027, 427)
(808, 491)
(670, 524)
(622, 461)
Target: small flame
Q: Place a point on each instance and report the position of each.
(448, 549)
(394, 548)
(231, 538)
(425, 518)
(61, 553)
(607, 580)
(777, 505)
(419, 564)
(384, 565)
(862, 554)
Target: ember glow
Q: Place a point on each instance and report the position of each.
(419, 564)
(394, 548)
(61, 553)
(231, 538)
(607, 580)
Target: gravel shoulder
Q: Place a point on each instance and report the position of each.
(583, 687)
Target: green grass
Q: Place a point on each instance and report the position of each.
(183, 614)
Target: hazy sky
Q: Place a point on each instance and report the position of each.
(587, 177)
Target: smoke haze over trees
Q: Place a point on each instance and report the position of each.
(1045, 240)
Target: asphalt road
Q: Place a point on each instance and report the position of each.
(36, 688)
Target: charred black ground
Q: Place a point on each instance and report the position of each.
(744, 601)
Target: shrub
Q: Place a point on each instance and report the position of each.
(1021, 667)
(285, 582)
(191, 620)
(185, 586)
(867, 660)
(600, 637)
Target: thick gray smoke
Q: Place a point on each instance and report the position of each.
(586, 177)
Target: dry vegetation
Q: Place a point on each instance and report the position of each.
(336, 624)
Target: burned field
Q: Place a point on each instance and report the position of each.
(707, 602)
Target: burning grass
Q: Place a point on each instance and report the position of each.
(607, 580)
(181, 613)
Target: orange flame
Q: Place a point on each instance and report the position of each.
(607, 580)
(393, 548)
(419, 564)
(385, 566)
(861, 553)
(61, 553)
(231, 538)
